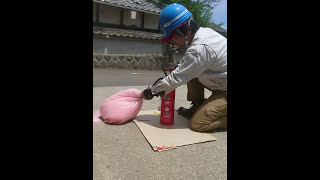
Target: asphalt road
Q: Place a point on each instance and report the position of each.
(122, 152)
(124, 77)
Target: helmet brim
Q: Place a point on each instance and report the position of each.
(169, 38)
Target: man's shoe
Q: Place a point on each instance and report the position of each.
(188, 113)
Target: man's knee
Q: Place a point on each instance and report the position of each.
(208, 121)
(197, 127)
(219, 124)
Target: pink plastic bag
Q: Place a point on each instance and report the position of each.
(122, 106)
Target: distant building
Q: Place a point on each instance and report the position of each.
(126, 27)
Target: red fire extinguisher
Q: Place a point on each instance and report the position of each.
(167, 109)
(167, 105)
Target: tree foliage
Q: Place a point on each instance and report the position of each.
(201, 9)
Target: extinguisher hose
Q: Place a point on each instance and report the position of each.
(159, 93)
(162, 93)
(157, 81)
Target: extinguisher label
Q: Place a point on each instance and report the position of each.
(166, 114)
(167, 98)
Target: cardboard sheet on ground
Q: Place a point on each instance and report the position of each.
(162, 137)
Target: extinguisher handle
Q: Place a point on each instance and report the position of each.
(161, 94)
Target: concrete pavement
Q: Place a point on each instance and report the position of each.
(122, 152)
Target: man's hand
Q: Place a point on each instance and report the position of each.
(147, 94)
(171, 68)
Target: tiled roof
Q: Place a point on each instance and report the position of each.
(125, 33)
(143, 5)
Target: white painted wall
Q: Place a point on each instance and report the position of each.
(151, 21)
(109, 14)
(127, 21)
(113, 46)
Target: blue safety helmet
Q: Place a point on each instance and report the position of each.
(171, 17)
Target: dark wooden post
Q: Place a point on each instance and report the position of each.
(97, 12)
(167, 54)
(142, 20)
(121, 17)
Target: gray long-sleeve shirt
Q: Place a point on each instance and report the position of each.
(206, 59)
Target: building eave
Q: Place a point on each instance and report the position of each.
(124, 7)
